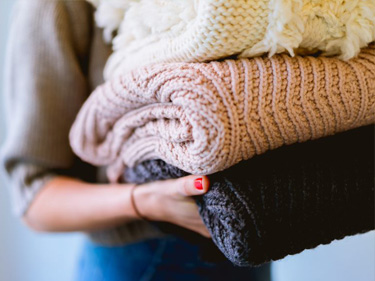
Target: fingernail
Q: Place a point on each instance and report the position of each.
(198, 183)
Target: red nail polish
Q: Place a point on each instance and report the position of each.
(198, 184)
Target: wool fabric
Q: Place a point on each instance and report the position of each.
(206, 117)
(284, 201)
(157, 31)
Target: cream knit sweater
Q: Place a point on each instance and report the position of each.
(156, 31)
(206, 117)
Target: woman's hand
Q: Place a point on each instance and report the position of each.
(171, 201)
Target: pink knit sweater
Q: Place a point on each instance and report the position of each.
(206, 117)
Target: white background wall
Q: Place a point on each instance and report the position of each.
(26, 256)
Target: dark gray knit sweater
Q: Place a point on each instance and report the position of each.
(287, 200)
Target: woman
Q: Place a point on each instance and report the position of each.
(55, 59)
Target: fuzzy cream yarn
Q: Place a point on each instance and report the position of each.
(155, 31)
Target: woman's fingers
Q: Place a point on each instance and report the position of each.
(192, 185)
(205, 233)
(202, 230)
(171, 201)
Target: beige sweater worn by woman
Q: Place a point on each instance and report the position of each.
(55, 58)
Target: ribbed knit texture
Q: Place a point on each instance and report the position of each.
(206, 117)
(158, 31)
(287, 200)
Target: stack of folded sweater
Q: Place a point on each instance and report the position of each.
(183, 115)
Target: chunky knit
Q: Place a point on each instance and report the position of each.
(287, 200)
(206, 117)
(156, 31)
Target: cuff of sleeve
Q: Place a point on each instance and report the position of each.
(25, 182)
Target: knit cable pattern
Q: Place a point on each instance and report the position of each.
(206, 117)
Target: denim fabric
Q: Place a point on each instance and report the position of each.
(160, 259)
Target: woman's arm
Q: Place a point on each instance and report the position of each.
(46, 83)
(68, 204)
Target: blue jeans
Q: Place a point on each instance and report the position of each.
(160, 259)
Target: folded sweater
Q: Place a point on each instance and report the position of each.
(287, 200)
(206, 117)
(156, 31)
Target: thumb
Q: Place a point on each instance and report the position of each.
(193, 185)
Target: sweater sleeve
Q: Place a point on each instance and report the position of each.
(45, 85)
